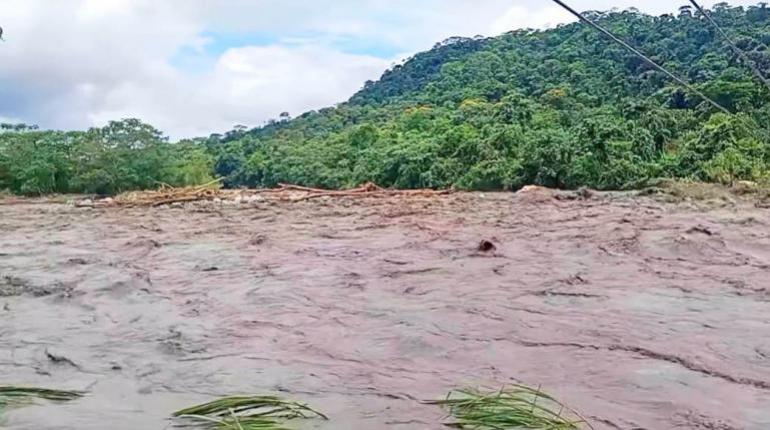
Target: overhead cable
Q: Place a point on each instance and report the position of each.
(735, 47)
(642, 56)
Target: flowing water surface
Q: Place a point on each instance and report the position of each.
(639, 314)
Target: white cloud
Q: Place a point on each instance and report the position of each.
(520, 17)
(247, 86)
(75, 64)
(78, 63)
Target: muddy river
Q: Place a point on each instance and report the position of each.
(638, 313)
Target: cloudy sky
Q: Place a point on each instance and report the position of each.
(193, 67)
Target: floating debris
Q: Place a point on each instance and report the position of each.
(245, 413)
(19, 396)
(487, 246)
(513, 407)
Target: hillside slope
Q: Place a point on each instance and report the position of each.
(563, 107)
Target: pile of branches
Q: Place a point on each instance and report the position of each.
(366, 190)
(167, 195)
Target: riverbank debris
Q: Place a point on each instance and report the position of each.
(212, 192)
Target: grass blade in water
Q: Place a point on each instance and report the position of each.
(20, 396)
(514, 407)
(245, 413)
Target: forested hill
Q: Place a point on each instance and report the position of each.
(577, 59)
(564, 107)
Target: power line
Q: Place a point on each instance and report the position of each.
(641, 55)
(735, 47)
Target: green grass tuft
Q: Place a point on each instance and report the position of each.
(233, 422)
(245, 413)
(513, 407)
(20, 396)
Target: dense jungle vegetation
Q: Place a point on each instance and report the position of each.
(562, 108)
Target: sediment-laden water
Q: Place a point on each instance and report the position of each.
(639, 314)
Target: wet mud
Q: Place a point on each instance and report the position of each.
(638, 313)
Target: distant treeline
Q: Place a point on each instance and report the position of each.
(561, 108)
(125, 155)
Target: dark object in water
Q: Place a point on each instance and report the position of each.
(487, 246)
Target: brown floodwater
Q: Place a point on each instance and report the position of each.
(638, 313)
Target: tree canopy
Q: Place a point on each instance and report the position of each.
(563, 107)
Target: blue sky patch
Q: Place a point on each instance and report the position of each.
(191, 59)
